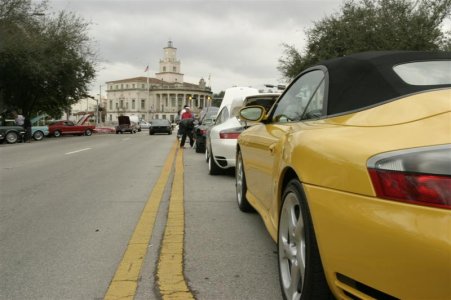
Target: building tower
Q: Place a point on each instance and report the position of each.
(170, 66)
(161, 97)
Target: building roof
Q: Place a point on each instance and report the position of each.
(139, 79)
(156, 83)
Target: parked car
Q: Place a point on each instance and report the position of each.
(351, 173)
(11, 134)
(222, 137)
(104, 130)
(38, 132)
(67, 127)
(126, 125)
(144, 124)
(206, 120)
(134, 119)
(160, 126)
(220, 145)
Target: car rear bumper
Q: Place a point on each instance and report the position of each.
(371, 245)
(224, 152)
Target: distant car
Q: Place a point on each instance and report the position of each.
(11, 134)
(134, 119)
(143, 124)
(66, 127)
(207, 119)
(160, 126)
(104, 130)
(125, 125)
(350, 171)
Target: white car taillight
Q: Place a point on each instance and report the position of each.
(419, 176)
(232, 133)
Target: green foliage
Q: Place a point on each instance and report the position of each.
(371, 25)
(46, 64)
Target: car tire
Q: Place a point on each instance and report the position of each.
(11, 137)
(297, 246)
(200, 147)
(213, 168)
(88, 132)
(241, 187)
(57, 133)
(206, 154)
(38, 135)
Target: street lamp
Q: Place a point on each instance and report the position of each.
(97, 108)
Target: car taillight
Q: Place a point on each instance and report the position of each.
(230, 133)
(419, 176)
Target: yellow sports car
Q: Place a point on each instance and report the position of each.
(350, 171)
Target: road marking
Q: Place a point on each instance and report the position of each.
(68, 153)
(170, 276)
(125, 280)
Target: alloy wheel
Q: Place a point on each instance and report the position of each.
(239, 181)
(292, 247)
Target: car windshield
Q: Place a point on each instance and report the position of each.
(210, 114)
(208, 121)
(160, 122)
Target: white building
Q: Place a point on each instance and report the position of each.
(86, 106)
(156, 98)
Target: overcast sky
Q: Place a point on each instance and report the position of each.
(236, 43)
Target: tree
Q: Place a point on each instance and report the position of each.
(367, 25)
(46, 63)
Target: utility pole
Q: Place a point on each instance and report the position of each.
(100, 101)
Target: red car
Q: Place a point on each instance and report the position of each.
(59, 128)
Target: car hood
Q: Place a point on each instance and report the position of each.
(400, 111)
(38, 118)
(83, 119)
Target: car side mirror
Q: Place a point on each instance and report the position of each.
(252, 113)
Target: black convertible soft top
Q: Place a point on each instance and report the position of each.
(366, 79)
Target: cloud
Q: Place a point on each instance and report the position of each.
(234, 42)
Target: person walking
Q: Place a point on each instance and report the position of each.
(179, 117)
(186, 127)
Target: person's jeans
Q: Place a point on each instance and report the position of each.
(188, 133)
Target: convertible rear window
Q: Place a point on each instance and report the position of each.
(425, 72)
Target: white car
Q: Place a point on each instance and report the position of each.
(222, 136)
(144, 124)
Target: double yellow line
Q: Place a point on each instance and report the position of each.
(170, 278)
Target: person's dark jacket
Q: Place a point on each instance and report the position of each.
(186, 125)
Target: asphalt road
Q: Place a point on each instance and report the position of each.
(70, 205)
